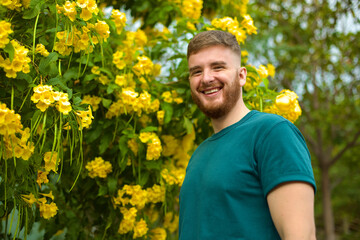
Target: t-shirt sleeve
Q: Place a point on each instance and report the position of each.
(282, 156)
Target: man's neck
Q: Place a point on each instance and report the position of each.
(238, 112)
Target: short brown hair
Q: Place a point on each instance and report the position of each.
(213, 38)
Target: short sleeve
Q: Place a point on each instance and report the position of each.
(282, 156)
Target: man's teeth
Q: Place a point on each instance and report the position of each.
(211, 91)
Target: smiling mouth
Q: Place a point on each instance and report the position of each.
(209, 91)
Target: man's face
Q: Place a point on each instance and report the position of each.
(216, 79)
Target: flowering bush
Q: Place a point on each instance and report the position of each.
(96, 119)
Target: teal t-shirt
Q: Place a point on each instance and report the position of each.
(228, 177)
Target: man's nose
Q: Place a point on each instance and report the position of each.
(208, 76)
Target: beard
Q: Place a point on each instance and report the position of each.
(231, 95)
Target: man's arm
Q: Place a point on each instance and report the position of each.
(292, 210)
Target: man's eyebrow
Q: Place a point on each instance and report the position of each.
(194, 68)
(218, 63)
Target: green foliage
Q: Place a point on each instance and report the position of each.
(86, 129)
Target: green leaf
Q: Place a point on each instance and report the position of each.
(144, 178)
(89, 77)
(149, 129)
(34, 9)
(112, 185)
(123, 145)
(9, 49)
(106, 102)
(102, 191)
(188, 125)
(105, 142)
(168, 108)
(45, 63)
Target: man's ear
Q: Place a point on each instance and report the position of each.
(242, 76)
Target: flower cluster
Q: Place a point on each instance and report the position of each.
(94, 101)
(253, 80)
(88, 7)
(119, 19)
(154, 147)
(83, 39)
(232, 25)
(47, 210)
(11, 128)
(173, 177)
(129, 223)
(158, 234)
(135, 197)
(15, 4)
(84, 118)
(44, 97)
(144, 66)
(192, 8)
(5, 30)
(286, 105)
(40, 48)
(248, 24)
(51, 160)
(20, 61)
(172, 96)
(131, 102)
(138, 197)
(99, 168)
(171, 221)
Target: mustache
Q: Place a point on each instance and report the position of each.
(205, 86)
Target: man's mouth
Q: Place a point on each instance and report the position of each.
(209, 91)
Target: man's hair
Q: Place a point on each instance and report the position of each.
(213, 38)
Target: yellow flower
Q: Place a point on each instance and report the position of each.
(192, 8)
(64, 107)
(51, 161)
(29, 198)
(47, 211)
(160, 116)
(158, 234)
(120, 20)
(85, 118)
(5, 30)
(102, 29)
(263, 72)
(156, 194)
(94, 101)
(167, 96)
(248, 24)
(171, 221)
(95, 70)
(286, 105)
(140, 229)
(271, 70)
(120, 80)
(144, 66)
(99, 168)
(133, 145)
(42, 50)
(190, 26)
(49, 195)
(85, 14)
(42, 178)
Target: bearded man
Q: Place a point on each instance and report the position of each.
(252, 179)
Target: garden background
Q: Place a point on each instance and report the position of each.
(97, 123)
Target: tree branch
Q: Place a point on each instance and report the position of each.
(345, 148)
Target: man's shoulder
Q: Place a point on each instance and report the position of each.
(267, 120)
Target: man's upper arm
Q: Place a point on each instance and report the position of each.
(292, 210)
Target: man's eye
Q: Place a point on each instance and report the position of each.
(218, 67)
(196, 73)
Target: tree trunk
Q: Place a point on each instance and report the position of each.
(327, 208)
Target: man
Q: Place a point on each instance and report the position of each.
(253, 178)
